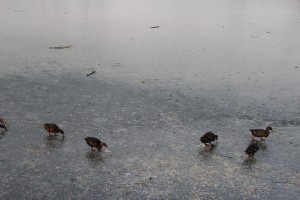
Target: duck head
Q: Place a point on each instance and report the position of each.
(269, 128)
(103, 144)
(45, 126)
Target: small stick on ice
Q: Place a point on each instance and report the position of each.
(61, 47)
(93, 72)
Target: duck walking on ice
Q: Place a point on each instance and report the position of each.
(95, 143)
(52, 129)
(252, 149)
(261, 132)
(208, 138)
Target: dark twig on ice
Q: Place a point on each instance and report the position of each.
(61, 47)
(154, 26)
(93, 72)
(223, 155)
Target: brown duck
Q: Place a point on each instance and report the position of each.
(252, 149)
(52, 129)
(3, 124)
(208, 138)
(261, 132)
(95, 143)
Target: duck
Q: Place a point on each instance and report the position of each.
(95, 143)
(53, 128)
(208, 138)
(261, 132)
(3, 124)
(252, 149)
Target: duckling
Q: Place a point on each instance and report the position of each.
(261, 132)
(95, 143)
(208, 138)
(53, 128)
(252, 149)
(3, 124)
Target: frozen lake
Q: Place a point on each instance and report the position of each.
(222, 66)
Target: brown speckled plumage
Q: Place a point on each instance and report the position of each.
(95, 143)
(53, 128)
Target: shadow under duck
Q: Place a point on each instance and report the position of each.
(3, 124)
(261, 132)
(252, 149)
(95, 143)
(52, 129)
(208, 138)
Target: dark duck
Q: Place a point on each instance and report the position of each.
(261, 132)
(3, 124)
(208, 138)
(252, 149)
(52, 129)
(95, 143)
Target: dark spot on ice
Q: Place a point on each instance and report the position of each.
(73, 179)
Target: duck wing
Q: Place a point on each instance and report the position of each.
(211, 136)
(93, 142)
(258, 132)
